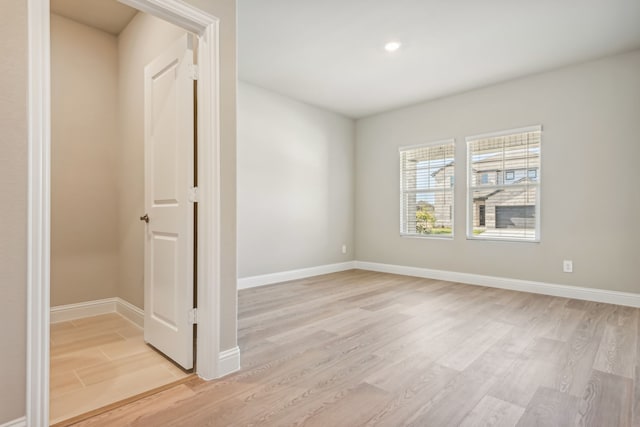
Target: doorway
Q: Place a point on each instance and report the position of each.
(109, 126)
(211, 363)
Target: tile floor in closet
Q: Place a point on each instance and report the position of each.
(97, 361)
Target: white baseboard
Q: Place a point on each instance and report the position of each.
(575, 292)
(20, 422)
(285, 276)
(63, 313)
(228, 361)
(131, 312)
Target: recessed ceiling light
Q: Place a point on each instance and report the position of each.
(392, 46)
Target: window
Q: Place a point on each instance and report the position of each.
(509, 208)
(426, 189)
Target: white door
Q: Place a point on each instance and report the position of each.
(169, 170)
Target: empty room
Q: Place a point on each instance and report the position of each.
(414, 213)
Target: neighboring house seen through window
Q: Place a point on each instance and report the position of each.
(504, 205)
(426, 194)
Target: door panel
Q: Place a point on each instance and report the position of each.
(166, 144)
(169, 165)
(165, 286)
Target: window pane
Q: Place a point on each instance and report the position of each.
(505, 160)
(428, 213)
(427, 167)
(509, 212)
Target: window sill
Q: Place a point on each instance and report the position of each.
(427, 236)
(503, 239)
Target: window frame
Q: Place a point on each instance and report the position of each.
(470, 188)
(449, 141)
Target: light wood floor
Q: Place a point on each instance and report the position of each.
(100, 360)
(360, 348)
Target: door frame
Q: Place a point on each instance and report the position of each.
(208, 353)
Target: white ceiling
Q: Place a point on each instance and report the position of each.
(106, 15)
(330, 52)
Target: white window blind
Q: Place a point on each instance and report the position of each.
(426, 189)
(504, 185)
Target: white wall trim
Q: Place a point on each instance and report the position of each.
(20, 422)
(174, 11)
(284, 276)
(566, 291)
(130, 311)
(38, 213)
(38, 221)
(64, 313)
(209, 206)
(229, 361)
(533, 128)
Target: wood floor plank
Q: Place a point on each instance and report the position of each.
(454, 401)
(607, 401)
(327, 385)
(538, 367)
(563, 325)
(395, 378)
(410, 396)
(617, 351)
(575, 369)
(549, 408)
(469, 350)
(493, 412)
(345, 408)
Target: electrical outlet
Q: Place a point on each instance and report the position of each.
(567, 266)
(344, 249)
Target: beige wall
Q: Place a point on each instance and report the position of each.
(13, 182)
(590, 200)
(13, 208)
(141, 41)
(295, 184)
(84, 148)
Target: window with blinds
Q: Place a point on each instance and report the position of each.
(504, 185)
(426, 189)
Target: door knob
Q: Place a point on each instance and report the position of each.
(145, 218)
